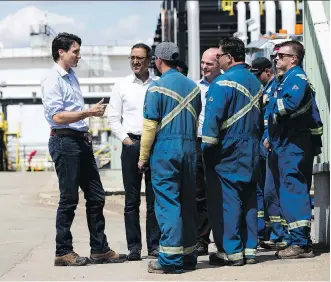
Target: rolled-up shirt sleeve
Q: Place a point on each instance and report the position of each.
(52, 97)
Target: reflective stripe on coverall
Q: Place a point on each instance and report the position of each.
(174, 101)
(291, 159)
(273, 215)
(231, 133)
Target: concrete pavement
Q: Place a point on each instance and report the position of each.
(28, 204)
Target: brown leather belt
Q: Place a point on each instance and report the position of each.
(69, 132)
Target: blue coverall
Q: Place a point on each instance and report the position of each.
(175, 102)
(293, 122)
(271, 200)
(231, 133)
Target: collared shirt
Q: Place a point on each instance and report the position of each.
(125, 111)
(204, 86)
(61, 92)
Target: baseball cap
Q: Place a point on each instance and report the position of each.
(260, 64)
(167, 51)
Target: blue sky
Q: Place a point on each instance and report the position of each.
(97, 22)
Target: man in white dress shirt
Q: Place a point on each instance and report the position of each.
(125, 117)
(210, 69)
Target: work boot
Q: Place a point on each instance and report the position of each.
(108, 257)
(295, 251)
(189, 266)
(272, 245)
(155, 267)
(134, 255)
(215, 260)
(250, 261)
(202, 249)
(153, 254)
(71, 259)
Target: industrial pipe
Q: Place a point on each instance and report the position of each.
(255, 27)
(270, 15)
(288, 16)
(193, 27)
(241, 18)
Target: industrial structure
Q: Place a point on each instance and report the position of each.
(21, 72)
(197, 25)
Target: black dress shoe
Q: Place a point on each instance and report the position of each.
(153, 254)
(134, 255)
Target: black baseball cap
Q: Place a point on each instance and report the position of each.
(259, 65)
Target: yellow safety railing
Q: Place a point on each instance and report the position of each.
(261, 7)
(97, 153)
(4, 128)
(228, 6)
(105, 156)
(18, 136)
(297, 7)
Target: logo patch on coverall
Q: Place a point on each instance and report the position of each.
(211, 99)
(295, 87)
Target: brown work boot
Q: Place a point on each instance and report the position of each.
(71, 259)
(108, 257)
(295, 251)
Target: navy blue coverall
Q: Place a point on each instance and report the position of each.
(231, 136)
(294, 129)
(274, 220)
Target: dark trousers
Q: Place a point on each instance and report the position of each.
(203, 224)
(75, 166)
(132, 185)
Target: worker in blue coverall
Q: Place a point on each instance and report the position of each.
(171, 111)
(262, 69)
(230, 146)
(293, 122)
(271, 236)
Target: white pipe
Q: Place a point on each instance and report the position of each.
(270, 15)
(288, 16)
(255, 28)
(193, 27)
(163, 18)
(322, 31)
(242, 27)
(175, 25)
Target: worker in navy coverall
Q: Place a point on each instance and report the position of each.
(230, 137)
(262, 69)
(269, 212)
(293, 122)
(172, 107)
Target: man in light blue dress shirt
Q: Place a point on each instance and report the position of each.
(70, 146)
